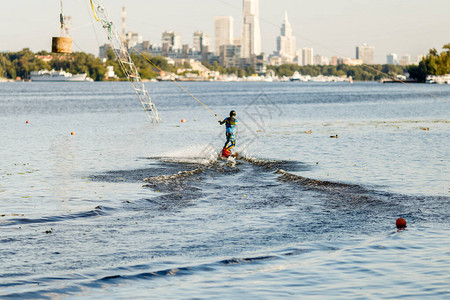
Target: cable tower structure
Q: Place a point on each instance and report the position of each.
(120, 49)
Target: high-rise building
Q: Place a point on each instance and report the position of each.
(307, 56)
(133, 38)
(320, 60)
(365, 53)
(201, 41)
(171, 41)
(286, 42)
(405, 60)
(251, 33)
(223, 32)
(299, 57)
(391, 59)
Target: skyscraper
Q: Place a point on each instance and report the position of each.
(201, 41)
(405, 60)
(307, 56)
(392, 59)
(223, 32)
(171, 40)
(286, 42)
(365, 53)
(251, 33)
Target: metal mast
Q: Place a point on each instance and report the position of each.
(120, 49)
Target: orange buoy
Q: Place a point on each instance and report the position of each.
(183, 120)
(72, 133)
(27, 122)
(400, 223)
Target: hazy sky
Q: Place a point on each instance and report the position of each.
(331, 27)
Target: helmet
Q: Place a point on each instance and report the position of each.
(232, 113)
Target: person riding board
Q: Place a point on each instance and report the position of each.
(230, 132)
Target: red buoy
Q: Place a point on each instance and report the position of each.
(27, 122)
(400, 223)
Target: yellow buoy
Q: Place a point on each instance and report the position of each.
(62, 45)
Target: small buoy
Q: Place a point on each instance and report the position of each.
(308, 131)
(27, 122)
(183, 120)
(72, 133)
(400, 223)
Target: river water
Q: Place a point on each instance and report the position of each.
(128, 209)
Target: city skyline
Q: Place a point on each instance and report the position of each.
(332, 28)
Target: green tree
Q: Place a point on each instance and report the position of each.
(433, 64)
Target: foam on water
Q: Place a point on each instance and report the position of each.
(196, 154)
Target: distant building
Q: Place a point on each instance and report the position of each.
(260, 64)
(365, 53)
(103, 51)
(353, 62)
(334, 61)
(286, 42)
(229, 55)
(145, 46)
(391, 59)
(419, 58)
(299, 57)
(45, 58)
(171, 41)
(275, 60)
(307, 56)
(320, 60)
(201, 42)
(405, 60)
(110, 72)
(223, 32)
(133, 38)
(251, 33)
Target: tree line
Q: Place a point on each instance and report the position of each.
(433, 63)
(22, 63)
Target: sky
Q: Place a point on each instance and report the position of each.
(331, 27)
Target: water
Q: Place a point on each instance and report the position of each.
(298, 215)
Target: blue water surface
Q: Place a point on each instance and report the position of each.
(124, 208)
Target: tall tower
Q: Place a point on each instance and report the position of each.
(223, 32)
(365, 53)
(124, 18)
(286, 42)
(201, 41)
(251, 33)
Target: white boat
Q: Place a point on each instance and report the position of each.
(296, 77)
(45, 75)
(442, 79)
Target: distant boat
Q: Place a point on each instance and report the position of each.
(296, 76)
(442, 79)
(45, 75)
